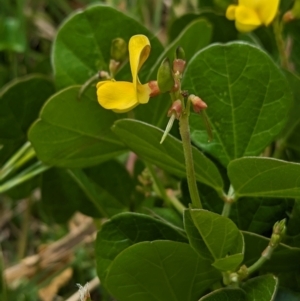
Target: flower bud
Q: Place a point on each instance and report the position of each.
(153, 85)
(165, 77)
(279, 229)
(176, 109)
(198, 103)
(113, 67)
(292, 14)
(118, 50)
(178, 66)
(288, 17)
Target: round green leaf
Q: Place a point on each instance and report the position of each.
(82, 45)
(161, 271)
(74, 132)
(125, 230)
(247, 96)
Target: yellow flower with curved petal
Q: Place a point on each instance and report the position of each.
(121, 96)
(250, 14)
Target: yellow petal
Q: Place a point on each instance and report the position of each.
(139, 50)
(266, 9)
(117, 96)
(230, 12)
(246, 19)
(252, 4)
(143, 92)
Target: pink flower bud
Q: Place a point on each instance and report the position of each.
(288, 16)
(153, 85)
(176, 109)
(198, 103)
(179, 66)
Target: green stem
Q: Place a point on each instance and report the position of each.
(188, 155)
(226, 209)
(161, 191)
(229, 199)
(25, 153)
(256, 265)
(24, 176)
(278, 28)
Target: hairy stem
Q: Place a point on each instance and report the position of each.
(188, 155)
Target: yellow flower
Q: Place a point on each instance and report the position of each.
(250, 14)
(121, 96)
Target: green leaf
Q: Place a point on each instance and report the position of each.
(223, 29)
(156, 110)
(125, 230)
(61, 196)
(264, 177)
(225, 294)
(114, 178)
(244, 120)
(292, 236)
(106, 204)
(195, 239)
(82, 45)
(102, 190)
(258, 215)
(160, 270)
(144, 139)
(187, 41)
(293, 120)
(284, 259)
(261, 288)
(222, 238)
(74, 132)
(20, 103)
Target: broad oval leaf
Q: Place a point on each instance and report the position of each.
(20, 103)
(125, 230)
(160, 270)
(221, 237)
(226, 294)
(144, 139)
(74, 132)
(247, 96)
(82, 46)
(262, 288)
(256, 176)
